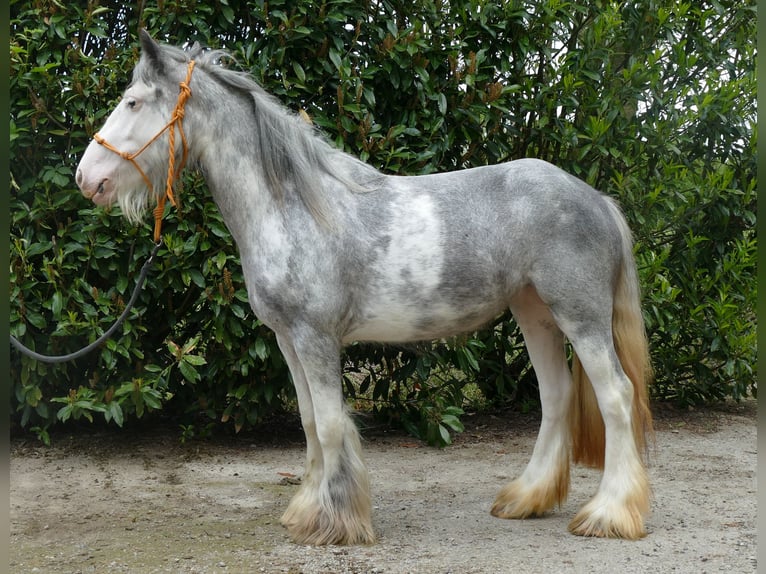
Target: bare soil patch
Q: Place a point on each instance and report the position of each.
(142, 502)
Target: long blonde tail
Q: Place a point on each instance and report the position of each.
(628, 331)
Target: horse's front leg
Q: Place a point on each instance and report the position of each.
(333, 504)
(312, 475)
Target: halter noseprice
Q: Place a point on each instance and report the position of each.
(173, 173)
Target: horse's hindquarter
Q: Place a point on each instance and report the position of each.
(449, 251)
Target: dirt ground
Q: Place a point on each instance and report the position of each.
(142, 502)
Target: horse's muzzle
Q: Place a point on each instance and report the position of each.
(99, 191)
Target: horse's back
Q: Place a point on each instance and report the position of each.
(517, 217)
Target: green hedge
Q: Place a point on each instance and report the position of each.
(652, 102)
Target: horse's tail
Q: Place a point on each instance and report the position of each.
(628, 331)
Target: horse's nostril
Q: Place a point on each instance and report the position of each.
(78, 177)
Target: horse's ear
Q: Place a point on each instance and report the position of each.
(151, 50)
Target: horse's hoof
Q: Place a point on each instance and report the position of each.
(623, 523)
(520, 500)
(317, 532)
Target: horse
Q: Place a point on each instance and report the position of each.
(334, 251)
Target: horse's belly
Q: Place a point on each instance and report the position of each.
(399, 321)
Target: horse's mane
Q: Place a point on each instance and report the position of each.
(289, 150)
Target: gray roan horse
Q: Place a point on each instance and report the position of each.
(333, 252)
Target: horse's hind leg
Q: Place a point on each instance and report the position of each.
(545, 481)
(622, 499)
(333, 506)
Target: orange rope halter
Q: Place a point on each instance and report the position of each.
(173, 173)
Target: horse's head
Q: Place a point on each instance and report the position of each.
(127, 161)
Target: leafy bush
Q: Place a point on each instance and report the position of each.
(652, 102)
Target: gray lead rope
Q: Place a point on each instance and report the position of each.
(97, 343)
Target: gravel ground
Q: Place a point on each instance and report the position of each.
(141, 502)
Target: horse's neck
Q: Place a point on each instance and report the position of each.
(259, 222)
(239, 191)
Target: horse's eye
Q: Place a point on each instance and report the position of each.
(132, 103)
